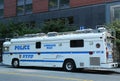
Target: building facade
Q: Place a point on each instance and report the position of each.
(88, 13)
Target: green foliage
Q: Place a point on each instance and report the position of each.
(3, 30)
(56, 26)
(116, 26)
(19, 29)
(12, 29)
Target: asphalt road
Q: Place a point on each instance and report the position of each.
(8, 73)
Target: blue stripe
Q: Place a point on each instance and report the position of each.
(20, 52)
(84, 52)
(77, 52)
(65, 52)
(41, 61)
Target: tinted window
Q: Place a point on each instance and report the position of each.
(76, 43)
(38, 45)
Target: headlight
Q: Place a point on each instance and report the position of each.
(6, 49)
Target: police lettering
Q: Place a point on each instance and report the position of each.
(22, 47)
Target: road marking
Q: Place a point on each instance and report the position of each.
(45, 76)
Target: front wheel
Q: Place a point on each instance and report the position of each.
(15, 63)
(69, 65)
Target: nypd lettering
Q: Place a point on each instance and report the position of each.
(27, 56)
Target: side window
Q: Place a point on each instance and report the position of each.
(76, 43)
(38, 45)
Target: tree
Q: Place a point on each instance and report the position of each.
(19, 29)
(12, 29)
(56, 26)
(4, 31)
(116, 26)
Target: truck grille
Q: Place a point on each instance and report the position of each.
(95, 61)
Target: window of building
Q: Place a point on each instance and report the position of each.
(28, 1)
(58, 4)
(76, 43)
(24, 7)
(20, 2)
(1, 8)
(1, 2)
(38, 45)
(28, 9)
(115, 12)
(1, 13)
(64, 3)
(53, 4)
(20, 10)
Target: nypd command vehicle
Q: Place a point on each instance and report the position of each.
(85, 48)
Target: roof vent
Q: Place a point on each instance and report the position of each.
(51, 34)
(101, 29)
(85, 31)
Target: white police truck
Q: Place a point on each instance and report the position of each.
(85, 48)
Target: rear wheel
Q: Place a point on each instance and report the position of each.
(15, 63)
(69, 65)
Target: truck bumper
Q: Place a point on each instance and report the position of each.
(109, 65)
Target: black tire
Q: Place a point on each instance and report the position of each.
(69, 66)
(15, 63)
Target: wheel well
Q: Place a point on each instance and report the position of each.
(14, 59)
(69, 59)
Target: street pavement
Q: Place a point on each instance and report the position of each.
(7, 73)
(113, 69)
